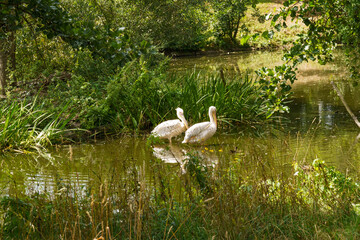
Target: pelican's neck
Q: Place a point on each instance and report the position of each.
(183, 120)
(212, 115)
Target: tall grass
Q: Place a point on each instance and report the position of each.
(237, 99)
(25, 126)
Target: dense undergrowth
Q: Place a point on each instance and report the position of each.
(310, 202)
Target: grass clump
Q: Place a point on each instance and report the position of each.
(25, 126)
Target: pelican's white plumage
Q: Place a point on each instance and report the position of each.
(200, 132)
(171, 128)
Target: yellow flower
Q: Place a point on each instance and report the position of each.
(220, 150)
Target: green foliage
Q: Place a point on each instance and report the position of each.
(228, 15)
(276, 86)
(39, 59)
(174, 25)
(46, 27)
(24, 216)
(140, 95)
(328, 23)
(138, 98)
(238, 98)
(177, 25)
(29, 126)
(199, 172)
(53, 19)
(326, 189)
(131, 98)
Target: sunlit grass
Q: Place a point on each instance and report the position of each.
(28, 126)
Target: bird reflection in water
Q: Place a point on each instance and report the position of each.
(172, 154)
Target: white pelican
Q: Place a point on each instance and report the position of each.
(171, 128)
(202, 131)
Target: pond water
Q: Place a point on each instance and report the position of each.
(317, 126)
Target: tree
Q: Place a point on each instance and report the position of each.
(170, 25)
(15, 13)
(329, 23)
(228, 15)
(3, 65)
(106, 40)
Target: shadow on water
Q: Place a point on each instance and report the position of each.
(317, 126)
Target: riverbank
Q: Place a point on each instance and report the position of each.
(75, 110)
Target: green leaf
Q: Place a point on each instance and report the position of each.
(278, 27)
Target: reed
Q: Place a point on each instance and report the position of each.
(27, 125)
(236, 97)
(138, 99)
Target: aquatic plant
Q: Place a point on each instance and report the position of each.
(134, 99)
(199, 172)
(27, 125)
(236, 97)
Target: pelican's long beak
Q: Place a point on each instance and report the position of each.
(215, 119)
(184, 121)
(186, 124)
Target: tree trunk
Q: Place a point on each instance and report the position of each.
(12, 54)
(345, 104)
(3, 61)
(237, 25)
